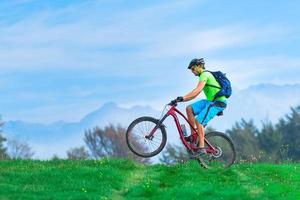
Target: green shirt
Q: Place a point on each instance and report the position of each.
(209, 91)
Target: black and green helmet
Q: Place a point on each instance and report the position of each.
(196, 61)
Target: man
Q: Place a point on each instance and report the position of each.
(204, 110)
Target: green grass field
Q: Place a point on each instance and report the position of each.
(123, 179)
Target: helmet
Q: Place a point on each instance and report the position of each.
(196, 61)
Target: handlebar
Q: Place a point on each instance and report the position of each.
(173, 103)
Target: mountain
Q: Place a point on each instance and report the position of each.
(58, 137)
(259, 102)
(263, 102)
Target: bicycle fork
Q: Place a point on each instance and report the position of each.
(159, 124)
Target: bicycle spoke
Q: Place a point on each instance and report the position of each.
(224, 155)
(138, 126)
(143, 144)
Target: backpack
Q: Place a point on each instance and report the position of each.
(225, 89)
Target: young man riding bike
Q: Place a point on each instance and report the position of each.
(205, 109)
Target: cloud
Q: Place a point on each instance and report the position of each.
(176, 42)
(80, 36)
(44, 36)
(267, 69)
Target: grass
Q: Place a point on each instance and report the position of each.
(124, 179)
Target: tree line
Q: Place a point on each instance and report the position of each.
(272, 143)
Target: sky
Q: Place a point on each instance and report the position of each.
(60, 60)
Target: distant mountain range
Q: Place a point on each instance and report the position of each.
(260, 102)
(263, 102)
(58, 137)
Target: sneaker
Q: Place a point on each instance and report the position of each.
(199, 152)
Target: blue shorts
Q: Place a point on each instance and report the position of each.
(205, 110)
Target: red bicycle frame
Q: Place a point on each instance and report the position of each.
(190, 146)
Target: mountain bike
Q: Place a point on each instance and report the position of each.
(146, 137)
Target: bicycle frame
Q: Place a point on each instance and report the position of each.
(172, 111)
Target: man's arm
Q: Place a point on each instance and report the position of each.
(195, 92)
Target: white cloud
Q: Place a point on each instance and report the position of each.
(177, 42)
(270, 69)
(89, 39)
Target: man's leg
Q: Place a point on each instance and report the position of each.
(204, 117)
(202, 120)
(200, 134)
(193, 110)
(190, 116)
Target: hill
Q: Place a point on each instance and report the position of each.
(123, 179)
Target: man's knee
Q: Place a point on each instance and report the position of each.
(198, 124)
(189, 110)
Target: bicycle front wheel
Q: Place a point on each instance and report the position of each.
(137, 141)
(225, 153)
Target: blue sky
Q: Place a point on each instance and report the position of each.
(63, 59)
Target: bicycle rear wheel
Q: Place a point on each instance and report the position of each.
(137, 141)
(225, 155)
